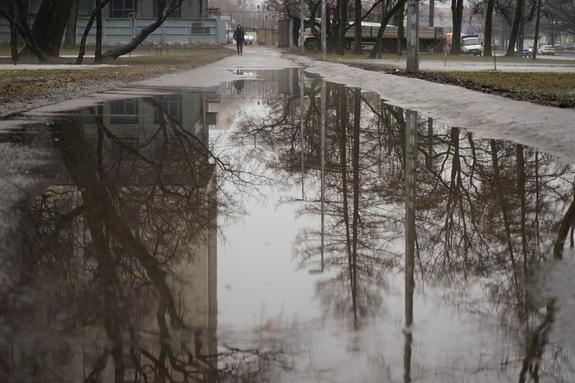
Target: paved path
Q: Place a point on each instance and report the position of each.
(547, 128)
(229, 69)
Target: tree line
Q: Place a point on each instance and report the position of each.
(44, 36)
(345, 15)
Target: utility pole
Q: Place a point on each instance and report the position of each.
(302, 26)
(323, 28)
(290, 43)
(412, 36)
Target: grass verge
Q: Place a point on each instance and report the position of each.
(544, 88)
(392, 57)
(17, 86)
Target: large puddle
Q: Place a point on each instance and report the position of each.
(223, 235)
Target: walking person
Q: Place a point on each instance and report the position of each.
(240, 37)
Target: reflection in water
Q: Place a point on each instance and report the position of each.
(118, 268)
(410, 185)
(485, 212)
(117, 273)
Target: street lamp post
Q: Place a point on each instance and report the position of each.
(412, 37)
(323, 28)
(301, 26)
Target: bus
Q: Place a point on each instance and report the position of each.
(430, 39)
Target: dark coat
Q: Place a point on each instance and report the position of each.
(239, 36)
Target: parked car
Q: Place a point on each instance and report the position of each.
(547, 50)
(527, 51)
(471, 45)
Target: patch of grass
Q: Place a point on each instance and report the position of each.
(552, 89)
(24, 85)
(560, 84)
(545, 88)
(141, 56)
(352, 56)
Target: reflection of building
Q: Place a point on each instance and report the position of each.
(137, 145)
(129, 145)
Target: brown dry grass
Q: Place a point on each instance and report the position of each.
(24, 85)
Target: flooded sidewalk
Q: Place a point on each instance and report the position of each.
(254, 228)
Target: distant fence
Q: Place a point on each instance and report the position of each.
(121, 31)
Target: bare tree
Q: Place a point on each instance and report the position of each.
(164, 9)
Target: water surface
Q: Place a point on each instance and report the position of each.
(256, 231)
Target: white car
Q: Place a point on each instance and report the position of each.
(547, 50)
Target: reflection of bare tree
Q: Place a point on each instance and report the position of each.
(118, 269)
(352, 248)
(487, 212)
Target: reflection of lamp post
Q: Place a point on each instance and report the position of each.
(323, 122)
(410, 178)
(302, 126)
(322, 183)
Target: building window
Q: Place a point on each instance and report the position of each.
(124, 112)
(176, 14)
(172, 105)
(123, 8)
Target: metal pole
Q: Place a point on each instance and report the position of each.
(322, 144)
(412, 37)
(290, 42)
(323, 28)
(302, 26)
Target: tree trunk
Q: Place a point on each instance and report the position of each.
(95, 12)
(536, 37)
(400, 29)
(98, 48)
(521, 32)
(163, 13)
(386, 16)
(357, 27)
(487, 49)
(13, 34)
(50, 24)
(18, 16)
(341, 24)
(457, 18)
(342, 120)
(432, 13)
(514, 29)
(70, 39)
(566, 224)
